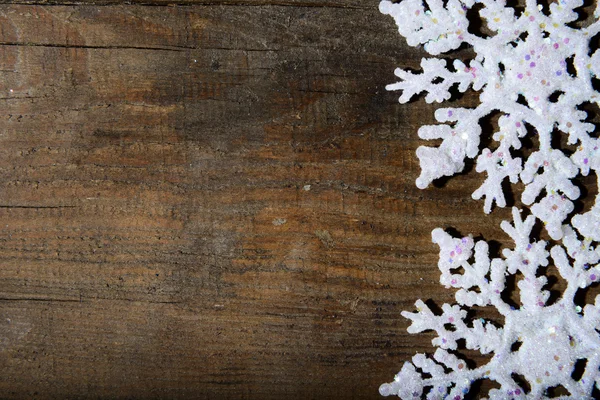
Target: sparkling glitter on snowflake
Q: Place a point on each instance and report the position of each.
(536, 70)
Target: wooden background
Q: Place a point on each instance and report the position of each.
(213, 200)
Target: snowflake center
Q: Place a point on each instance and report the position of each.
(552, 345)
(543, 68)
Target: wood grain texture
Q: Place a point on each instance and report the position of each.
(352, 4)
(212, 201)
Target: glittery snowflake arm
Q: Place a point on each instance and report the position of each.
(436, 80)
(409, 383)
(584, 268)
(558, 170)
(451, 326)
(474, 286)
(527, 258)
(460, 136)
(439, 28)
(499, 165)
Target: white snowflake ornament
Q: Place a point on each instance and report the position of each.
(536, 70)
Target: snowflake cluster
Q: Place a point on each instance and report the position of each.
(537, 71)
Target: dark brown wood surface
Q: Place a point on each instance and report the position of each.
(213, 200)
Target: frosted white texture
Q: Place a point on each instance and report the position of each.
(536, 70)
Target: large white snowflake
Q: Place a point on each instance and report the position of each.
(537, 70)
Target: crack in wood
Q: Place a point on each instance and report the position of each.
(34, 207)
(112, 47)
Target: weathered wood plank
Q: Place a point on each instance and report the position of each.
(352, 4)
(212, 202)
